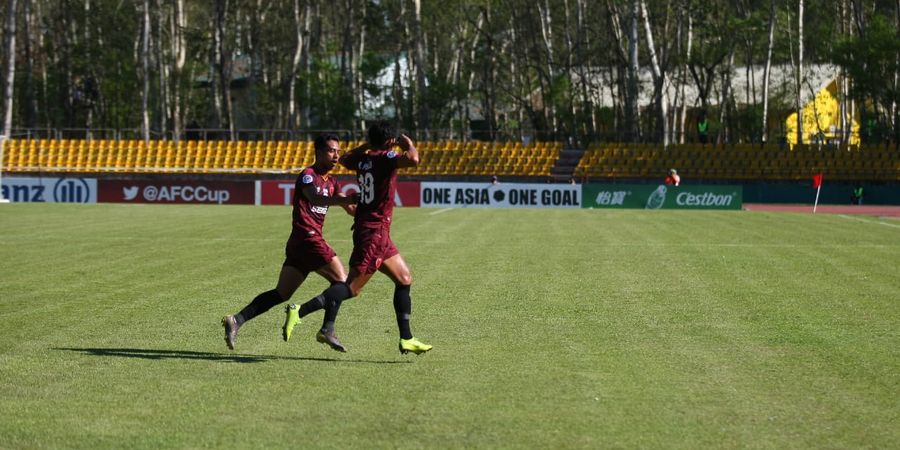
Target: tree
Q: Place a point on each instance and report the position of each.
(10, 78)
(767, 72)
(871, 61)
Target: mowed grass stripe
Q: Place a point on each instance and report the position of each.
(552, 328)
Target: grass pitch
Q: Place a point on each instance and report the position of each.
(552, 329)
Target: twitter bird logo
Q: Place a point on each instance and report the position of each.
(130, 192)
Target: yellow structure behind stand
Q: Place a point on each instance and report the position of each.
(821, 120)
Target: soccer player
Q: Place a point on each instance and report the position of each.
(306, 250)
(376, 163)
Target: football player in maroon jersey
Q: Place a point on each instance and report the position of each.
(376, 163)
(306, 250)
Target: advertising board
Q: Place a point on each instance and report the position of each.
(50, 190)
(513, 195)
(177, 191)
(649, 196)
(281, 192)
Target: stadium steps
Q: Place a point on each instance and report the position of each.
(565, 165)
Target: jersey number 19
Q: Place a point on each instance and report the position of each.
(366, 188)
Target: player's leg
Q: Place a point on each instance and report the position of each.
(398, 271)
(334, 272)
(355, 282)
(289, 280)
(353, 286)
(368, 244)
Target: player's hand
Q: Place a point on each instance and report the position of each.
(404, 142)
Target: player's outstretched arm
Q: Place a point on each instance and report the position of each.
(350, 208)
(317, 199)
(410, 156)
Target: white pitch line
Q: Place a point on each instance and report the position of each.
(434, 213)
(869, 221)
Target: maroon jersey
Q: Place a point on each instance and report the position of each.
(376, 173)
(308, 218)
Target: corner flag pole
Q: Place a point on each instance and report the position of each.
(817, 183)
(818, 189)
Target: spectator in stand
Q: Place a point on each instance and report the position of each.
(703, 128)
(856, 198)
(673, 179)
(494, 180)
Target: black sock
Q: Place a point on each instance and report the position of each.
(333, 297)
(314, 304)
(403, 308)
(262, 303)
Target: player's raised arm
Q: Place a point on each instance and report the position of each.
(351, 158)
(410, 156)
(316, 199)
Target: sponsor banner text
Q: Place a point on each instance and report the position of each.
(176, 191)
(503, 195)
(651, 196)
(50, 190)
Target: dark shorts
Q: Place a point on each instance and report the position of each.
(308, 254)
(372, 245)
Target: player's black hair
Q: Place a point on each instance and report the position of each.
(322, 139)
(380, 132)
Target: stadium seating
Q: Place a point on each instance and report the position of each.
(740, 162)
(448, 158)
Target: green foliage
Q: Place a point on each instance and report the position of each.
(499, 46)
(871, 60)
(331, 98)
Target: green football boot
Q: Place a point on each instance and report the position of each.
(413, 345)
(291, 320)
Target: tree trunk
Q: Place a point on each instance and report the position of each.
(295, 66)
(224, 68)
(659, 81)
(547, 37)
(145, 71)
(215, 69)
(89, 118)
(307, 66)
(421, 76)
(347, 59)
(358, 81)
(723, 135)
(470, 84)
(895, 114)
(631, 101)
(31, 106)
(10, 78)
(179, 55)
(799, 100)
(582, 43)
(684, 73)
(162, 71)
(767, 73)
